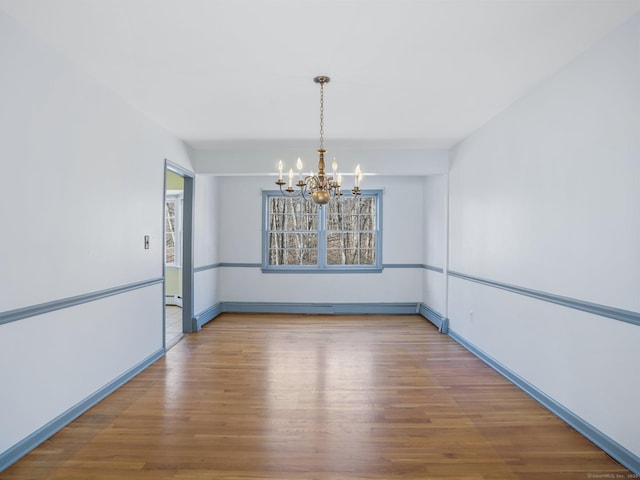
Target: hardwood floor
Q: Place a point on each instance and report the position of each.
(317, 397)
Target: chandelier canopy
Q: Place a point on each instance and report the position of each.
(318, 186)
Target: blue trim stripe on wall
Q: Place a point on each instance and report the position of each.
(413, 265)
(33, 310)
(240, 265)
(227, 264)
(402, 265)
(597, 309)
(433, 269)
(206, 267)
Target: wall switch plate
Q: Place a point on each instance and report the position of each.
(146, 242)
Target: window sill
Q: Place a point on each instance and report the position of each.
(321, 270)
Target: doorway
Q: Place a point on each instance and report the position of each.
(173, 239)
(178, 253)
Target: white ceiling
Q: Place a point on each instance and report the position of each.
(416, 73)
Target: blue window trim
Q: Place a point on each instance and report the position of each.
(322, 267)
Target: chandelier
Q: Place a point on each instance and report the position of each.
(318, 186)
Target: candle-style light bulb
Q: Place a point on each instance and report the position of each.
(290, 177)
(299, 167)
(339, 179)
(279, 169)
(334, 166)
(358, 175)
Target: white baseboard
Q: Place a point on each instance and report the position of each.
(174, 300)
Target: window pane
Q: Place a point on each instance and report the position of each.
(293, 257)
(300, 240)
(276, 256)
(170, 232)
(367, 257)
(293, 222)
(336, 256)
(170, 248)
(285, 256)
(367, 240)
(334, 240)
(293, 240)
(311, 222)
(352, 214)
(310, 257)
(294, 230)
(276, 222)
(292, 214)
(350, 222)
(342, 256)
(367, 222)
(351, 235)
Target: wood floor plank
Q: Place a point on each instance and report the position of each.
(317, 397)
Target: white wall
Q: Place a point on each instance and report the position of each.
(83, 184)
(377, 158)
(240, 242)
(435, 242)
(207, 234)
(546, 196)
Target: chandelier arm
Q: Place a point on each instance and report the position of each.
(303, 190)
(287, 192)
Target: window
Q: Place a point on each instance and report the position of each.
(173, 229)
(343, 235)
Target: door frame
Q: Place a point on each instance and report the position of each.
(188, 322)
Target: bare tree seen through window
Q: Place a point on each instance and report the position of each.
(170, 233)
(349, 231)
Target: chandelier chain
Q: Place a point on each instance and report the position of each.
(318, 186)
(322, 115)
